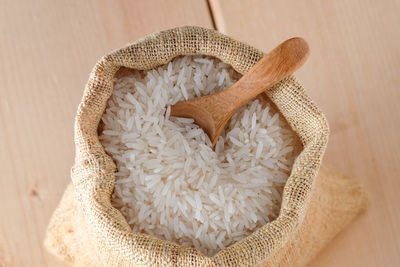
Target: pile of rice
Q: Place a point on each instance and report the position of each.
(170, 183)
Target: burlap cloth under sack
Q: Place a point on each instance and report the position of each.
(87, 230)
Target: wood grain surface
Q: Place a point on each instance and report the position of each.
(47, 49)
(353, 73)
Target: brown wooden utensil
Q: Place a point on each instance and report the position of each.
(212, 112)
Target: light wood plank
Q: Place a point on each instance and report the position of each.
(353, 74)
(47, 49)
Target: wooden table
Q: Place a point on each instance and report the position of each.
(47, 49)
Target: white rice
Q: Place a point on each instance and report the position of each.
(170, 183)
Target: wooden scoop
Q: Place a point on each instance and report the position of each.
(212, 112)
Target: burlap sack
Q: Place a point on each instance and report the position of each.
(86, 230)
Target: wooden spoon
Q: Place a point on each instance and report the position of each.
(212, 112)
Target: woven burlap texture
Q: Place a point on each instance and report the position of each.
(87, 230)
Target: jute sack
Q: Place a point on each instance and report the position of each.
(86, 230)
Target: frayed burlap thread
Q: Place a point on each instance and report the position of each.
(86, 230)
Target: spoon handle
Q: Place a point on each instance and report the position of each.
(272, 68)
